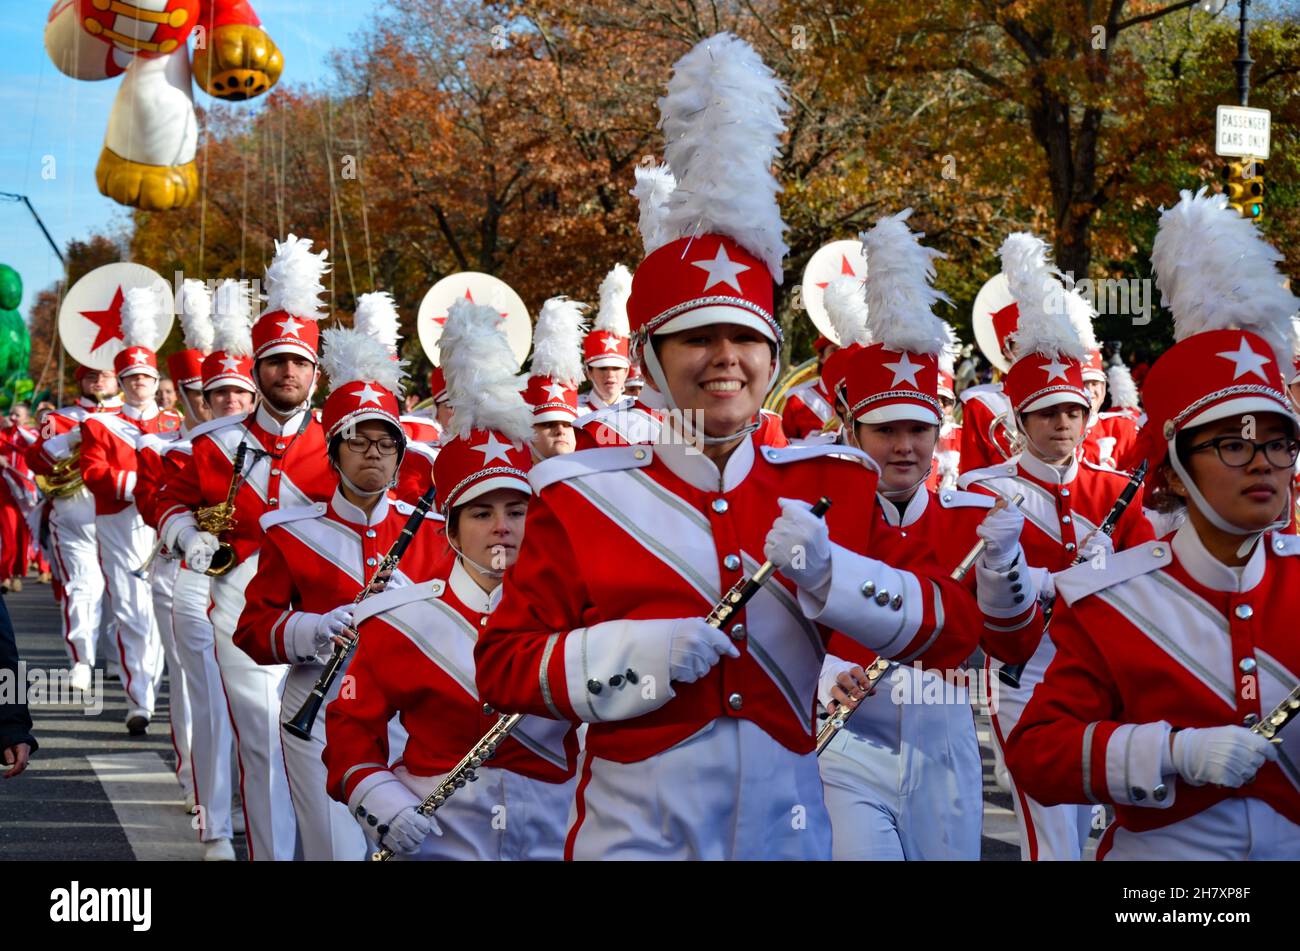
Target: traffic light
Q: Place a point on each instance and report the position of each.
(1243, 183)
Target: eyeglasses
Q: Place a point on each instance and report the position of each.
(1236, 452)
(386, 445)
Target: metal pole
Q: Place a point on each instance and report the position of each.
(1243, 61)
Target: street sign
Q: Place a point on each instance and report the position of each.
(1241, 132)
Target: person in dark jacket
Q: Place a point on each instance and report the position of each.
(16, 741)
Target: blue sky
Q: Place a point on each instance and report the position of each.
(51, 114)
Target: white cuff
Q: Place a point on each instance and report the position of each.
(832, 667)
(378, 799)
(1136, 754)
(1006, 592)
(616, 672)
(878, 606)
(174, 527)
(300, 638)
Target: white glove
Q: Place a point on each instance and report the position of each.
(694, 648)
(1001, 531)
(330, 626)
(199, 547)
(1222, 755)
(799, 544)
(1045, 582)
(407, 831)
(1098, 543)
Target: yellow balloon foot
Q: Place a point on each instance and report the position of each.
(238, 62)
(148, 187)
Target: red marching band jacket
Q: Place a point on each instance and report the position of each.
(679, 549)
(53, 444)
(1061, 511)
(110, 454)
(283, 469)
(807, 408)
(985, 439)
(316, 558)
(416, 474)
(936, 531)
(415, 658)
(153, 469)
(1143, 647)
(1111, 441)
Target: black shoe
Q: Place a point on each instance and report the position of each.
(137, 725)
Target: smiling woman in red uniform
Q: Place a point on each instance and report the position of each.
(1168, 654)
(415, 657)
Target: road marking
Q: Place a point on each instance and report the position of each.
(146, 800)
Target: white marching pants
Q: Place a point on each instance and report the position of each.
(500, 817)
(211, 737)
(1239, 829)
(124, 543)
(329, 832)
(903, 779)
(163, 581)
(728, 792)
(1047, 833)
(76, 558)
(253, 696)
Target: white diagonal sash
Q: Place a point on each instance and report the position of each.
(1183, 625)
(331, 540)
(544, 738)
(441, 634)
(664, 525)
(784, 643)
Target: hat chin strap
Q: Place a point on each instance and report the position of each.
(1029, 442)
(362, 492)
(664, 396)
(490, 572)
(1218, 521)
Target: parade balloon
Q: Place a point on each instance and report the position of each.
(148, 159)
(15, 344)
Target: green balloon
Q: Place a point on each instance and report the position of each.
(11, 288)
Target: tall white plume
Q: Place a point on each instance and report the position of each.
(557, 340)
(900, 287)
(615, 290)
(1123, 391)
(196, 315)
(1044, 326)
(722, 126)
(293, 279)
(376, 316)
(141, 310)
(349, 355)
(846, 308)
(653, 186)
(232, 318)
(1216, 272)
(479, 367)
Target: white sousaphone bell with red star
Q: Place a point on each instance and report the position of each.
(90, 318)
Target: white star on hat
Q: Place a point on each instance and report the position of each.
(230, 364)
(368, 395)
(1246, 360)
(555, 391)
(139, 357)
(493, 449)
(611, 343)
(1055, 370)
(290, 326)
(722, 270)
(904, 369)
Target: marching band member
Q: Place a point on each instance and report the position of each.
(315, 559)
(376, 316)
(1171, 652)
(1123, 393)
(620, 642)
(17, 497)
(1110, 439)
(186, 368)
(947, 452)
(72, 519)
(1065, 499)
(556, 370)
(808, 406)
(228, 390)
(442, 409)
(285, 465)
(986, 439)
(110, 469)
(414, 657)
(903, 778)
(605, 347)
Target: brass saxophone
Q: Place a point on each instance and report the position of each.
(64, 480)
(220, 518)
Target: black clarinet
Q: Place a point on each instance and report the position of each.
(300, 726)
(1010, 674)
